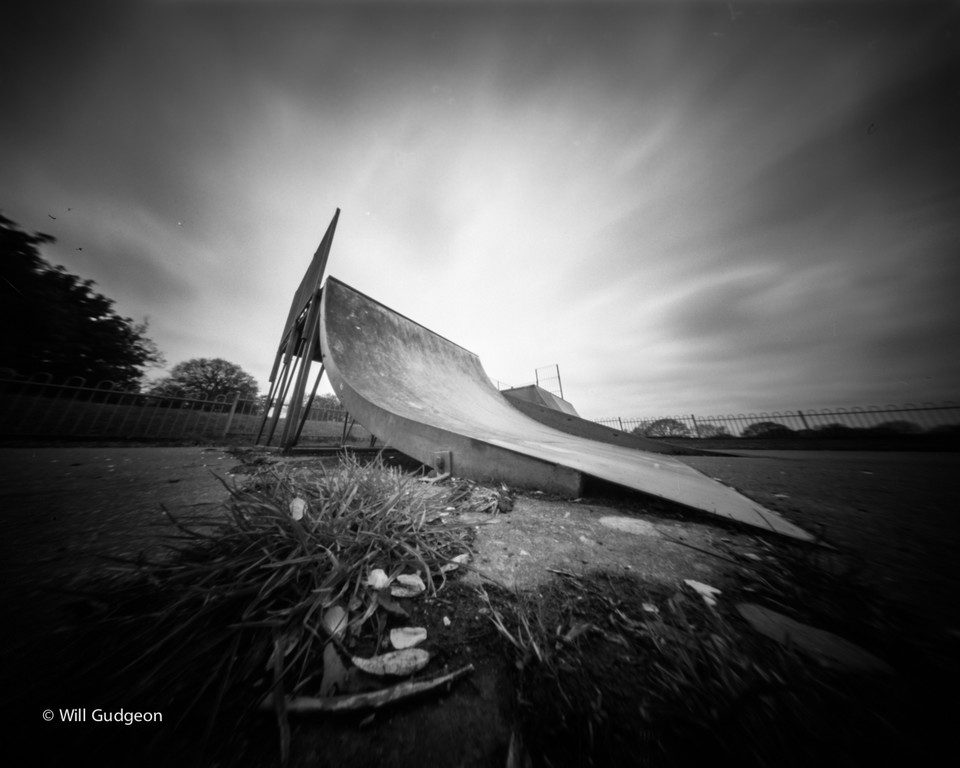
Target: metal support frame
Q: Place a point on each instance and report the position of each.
(306, 410)
(299, 347)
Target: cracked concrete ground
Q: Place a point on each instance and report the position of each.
(65, 506)
(523, 549)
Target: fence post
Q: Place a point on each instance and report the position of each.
(696, 427)
(621, 423)
(233, 410)
(803, 420)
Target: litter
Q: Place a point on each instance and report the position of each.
(396, 663)
(707, 592)
(407, 637)
(408, 585)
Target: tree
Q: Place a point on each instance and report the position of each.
(834, 429)
(664, 428)
(706, 429)
(766, 429)
(327, 402)
(204, 378)
(55, 323)
(898, 427)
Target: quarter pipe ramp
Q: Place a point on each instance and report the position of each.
(431, 399)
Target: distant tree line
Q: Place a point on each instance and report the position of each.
(55, 323)
(669, 427)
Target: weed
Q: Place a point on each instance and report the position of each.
(234, 608)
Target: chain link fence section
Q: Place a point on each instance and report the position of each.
(37, 408)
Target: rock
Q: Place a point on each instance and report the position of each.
(408, 585)
(455, 562)
(828, 648)
(630, 525)
(297, 508)
(378, 579)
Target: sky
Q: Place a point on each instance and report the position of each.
(688, 207)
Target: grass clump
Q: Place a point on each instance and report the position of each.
(234, 609)
(614, 671)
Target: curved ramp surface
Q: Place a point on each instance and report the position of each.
(430, 398)
(591, 430)
(538, 395)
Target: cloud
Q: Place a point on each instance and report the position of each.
(683, 210)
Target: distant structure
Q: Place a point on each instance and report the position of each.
(533, 393)
(542, 378)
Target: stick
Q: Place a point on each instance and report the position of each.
(371, 700)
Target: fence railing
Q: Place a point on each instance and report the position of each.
(39, 408)
(890, 420)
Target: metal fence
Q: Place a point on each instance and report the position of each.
(39, 408)
(890, 420)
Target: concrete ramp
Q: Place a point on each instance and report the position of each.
(574, 425)
(431, 399)
(532, 393)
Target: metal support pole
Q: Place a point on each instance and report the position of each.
(266, 406)
(311, 338)
(290, 365)
(233, 410)
(306, 411)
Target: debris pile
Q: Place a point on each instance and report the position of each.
(353, 682)
(469, 496)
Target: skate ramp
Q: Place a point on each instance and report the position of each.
(539, 396)
(574, 425)
(431, 399)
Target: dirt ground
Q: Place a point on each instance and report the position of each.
(64, 508)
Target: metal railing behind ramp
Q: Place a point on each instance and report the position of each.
(887, 421)
(37, 408)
